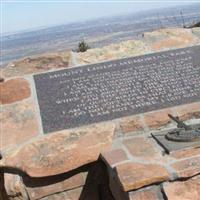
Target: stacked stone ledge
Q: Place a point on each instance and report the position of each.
(60, 165)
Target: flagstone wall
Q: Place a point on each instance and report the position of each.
(60, 165)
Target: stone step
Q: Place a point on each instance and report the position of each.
(137, 162)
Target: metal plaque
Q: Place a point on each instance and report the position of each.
(82, 95)
(175, 145)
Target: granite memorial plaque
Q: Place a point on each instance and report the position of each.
(98, 92)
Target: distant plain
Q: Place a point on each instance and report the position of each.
(96, 33)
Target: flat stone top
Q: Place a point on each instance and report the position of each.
(73, 97)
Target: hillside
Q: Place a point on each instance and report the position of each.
(162, 39)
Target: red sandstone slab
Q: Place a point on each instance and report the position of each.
(183, 190)
(74, 194)
(14, 186)
(62, 151)
(158, 118)
(114, 156)
(152, 193)
(169, 38)
(135, 175)
(18, 123)
(142, 148)
(36, 64)
(130, 124)
(14, 90)
(185, 153)
(188, 167)
(46, 190)
(189, 111)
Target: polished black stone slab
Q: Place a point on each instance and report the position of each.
(82, 95)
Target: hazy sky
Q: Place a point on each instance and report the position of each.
(17, 15)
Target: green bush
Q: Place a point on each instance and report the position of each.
(83, 46)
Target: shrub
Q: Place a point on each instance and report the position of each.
(82, 46)
(194, 25)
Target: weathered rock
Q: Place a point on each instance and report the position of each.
(135, 175)
(14, 187)
(36, 64)
(188, 167)
(14, 90)
(62, 151)
(47, 189)
(114, 156)
(73, 194)
(57, 196)
(183, 190)
(142, 148)
(113, 51)
(129, 124)
(151, 193)
(188, 152)
(170, 38)
(18, 123)
(190, 111)
(157, 119)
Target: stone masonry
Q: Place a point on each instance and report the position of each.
(113, 160)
